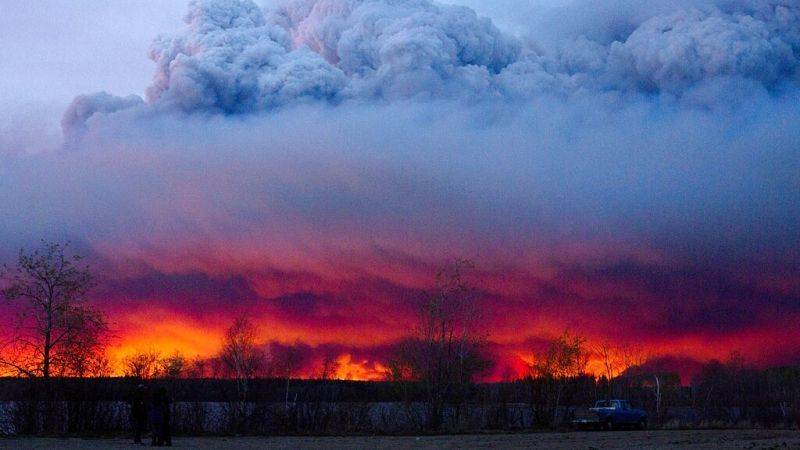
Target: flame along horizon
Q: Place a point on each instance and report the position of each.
(359, 359)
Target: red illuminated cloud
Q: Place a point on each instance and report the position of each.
(623, 202)
(676, 314)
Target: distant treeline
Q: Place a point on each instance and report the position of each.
(201, 390)
(719, 384)
(723, 395)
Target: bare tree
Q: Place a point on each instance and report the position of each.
(632, 361)
(57, 332)
(329, 366)
(632, 357)
(565, 358)
(620, 361)
(91, 363)
(609, 357)
(285, 361)
(240, 357)
(144, 365)
(196, 367)
(173, 366)
(447, 352)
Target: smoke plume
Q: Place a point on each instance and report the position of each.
(638, 161)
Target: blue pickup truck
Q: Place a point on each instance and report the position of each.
(610, 414)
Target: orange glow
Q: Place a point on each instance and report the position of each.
(164, 331)
(364, 370)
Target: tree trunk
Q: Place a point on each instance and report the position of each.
(658, 397)
(48, 398)
(286, 400)
(47, 346)
(46, 358)
(558, 401)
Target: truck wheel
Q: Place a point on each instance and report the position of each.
(642, 425)
(608, 426)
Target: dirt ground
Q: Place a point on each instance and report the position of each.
(678, 439)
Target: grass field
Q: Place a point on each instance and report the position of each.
(674, 439)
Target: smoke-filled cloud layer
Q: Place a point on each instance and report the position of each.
(631, 173)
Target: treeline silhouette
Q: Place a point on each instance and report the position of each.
(60, 381)
(724, 394)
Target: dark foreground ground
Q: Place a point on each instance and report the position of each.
(677, 439)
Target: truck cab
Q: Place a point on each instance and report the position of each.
(610, 414)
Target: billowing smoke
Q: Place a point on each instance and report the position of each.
(232, 57)
(672, 52)
(85, 106)
(639, 162)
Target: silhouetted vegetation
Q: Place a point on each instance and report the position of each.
(57, 332)
(446, 353)
(61, 383)
(724, 394)
(562, 363)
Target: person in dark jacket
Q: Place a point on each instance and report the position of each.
(138, 413)
(160, 418)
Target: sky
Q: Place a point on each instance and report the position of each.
(624, 169)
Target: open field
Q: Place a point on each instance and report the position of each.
(674, 439)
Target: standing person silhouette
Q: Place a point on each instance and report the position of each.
(160, 418)
(166, 432)
(138, 413)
